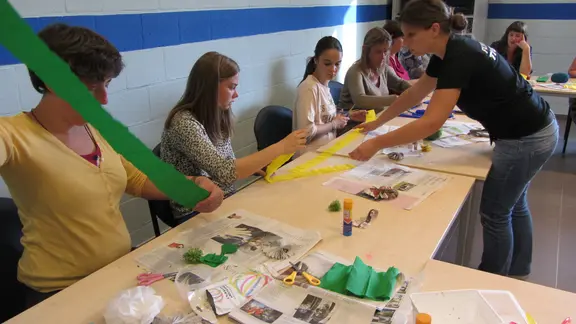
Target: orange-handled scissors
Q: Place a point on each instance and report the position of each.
(300, 269)
(146, 279)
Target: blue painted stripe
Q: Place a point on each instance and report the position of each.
(130, 32)
(525, 11)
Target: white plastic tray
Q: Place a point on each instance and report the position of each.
(456, 307)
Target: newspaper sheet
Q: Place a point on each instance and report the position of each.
(407, 150)
(253, 235)
(457, 133)
(413, 185)
(278, 303)
(319, 263)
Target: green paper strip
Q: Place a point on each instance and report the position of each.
(24, 44)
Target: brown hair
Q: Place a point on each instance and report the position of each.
(325, 43)
(375, 36)
(201, 95)
(393, 28)
(90, 56)
(425, 13)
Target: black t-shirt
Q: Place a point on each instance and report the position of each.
(492, 91)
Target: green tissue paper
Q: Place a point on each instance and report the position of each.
(360, 280)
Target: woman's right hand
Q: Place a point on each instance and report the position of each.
(368, 127)
(340, 121)
(294, 142)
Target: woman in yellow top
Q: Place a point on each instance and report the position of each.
(66, 180)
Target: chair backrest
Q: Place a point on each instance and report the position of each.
(10, 252)
(160, 208)
(335, 90)
(272, 124)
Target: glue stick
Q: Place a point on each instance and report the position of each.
(423, 318)
(347, 217)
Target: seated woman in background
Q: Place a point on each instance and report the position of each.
(67, 194)
(369, 79)
(414, 65)
(314, 109)
(393, 28)
(196, 137)
(515, 48)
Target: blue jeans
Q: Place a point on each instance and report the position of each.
(504, 212)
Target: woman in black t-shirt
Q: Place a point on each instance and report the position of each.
(486, 88)
(515, 48)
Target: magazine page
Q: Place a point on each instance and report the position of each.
(413, 185)
(279, 303)
(258, 239)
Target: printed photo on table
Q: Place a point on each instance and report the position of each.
(404, 186)
(396, 172)
(239, 235)
(384, 316)
(190, 278)
(261, 311)
(314, 310)
(395, 301)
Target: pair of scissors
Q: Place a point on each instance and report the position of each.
(146, 279)
(300, 269)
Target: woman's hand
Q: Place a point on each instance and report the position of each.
(340, 121)
(294, 142)
(368, 127)
(523, 44)
(358, 115)
(365, 151)
(213, 201)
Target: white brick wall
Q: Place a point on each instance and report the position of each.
(154, 79)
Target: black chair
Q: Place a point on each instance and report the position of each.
(161, 209)
(335, 90)
(10, 252)
(272, 124)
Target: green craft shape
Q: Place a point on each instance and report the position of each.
(18, 38)
(213, 260)
(229, 249)
(360, 280)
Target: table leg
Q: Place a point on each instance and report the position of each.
(567, 131)
(463, 221)
(473, 221)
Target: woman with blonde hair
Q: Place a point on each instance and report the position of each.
(197, 132)
(370, 80)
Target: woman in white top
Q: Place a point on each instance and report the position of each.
(315, 109)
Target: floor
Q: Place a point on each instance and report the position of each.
(552, 199)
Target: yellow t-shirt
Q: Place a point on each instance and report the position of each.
(69, 208)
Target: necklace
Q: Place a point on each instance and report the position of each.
(96, 156)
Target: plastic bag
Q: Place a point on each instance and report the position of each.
(191, 283)
(137, 305)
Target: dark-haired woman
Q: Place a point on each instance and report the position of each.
(485, 87)
(393, 28)
(66, 180)
(314, 109)
(515, 48)
(197, 133)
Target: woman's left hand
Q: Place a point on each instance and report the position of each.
(213, 201)
(358, 115)
(365, 151)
